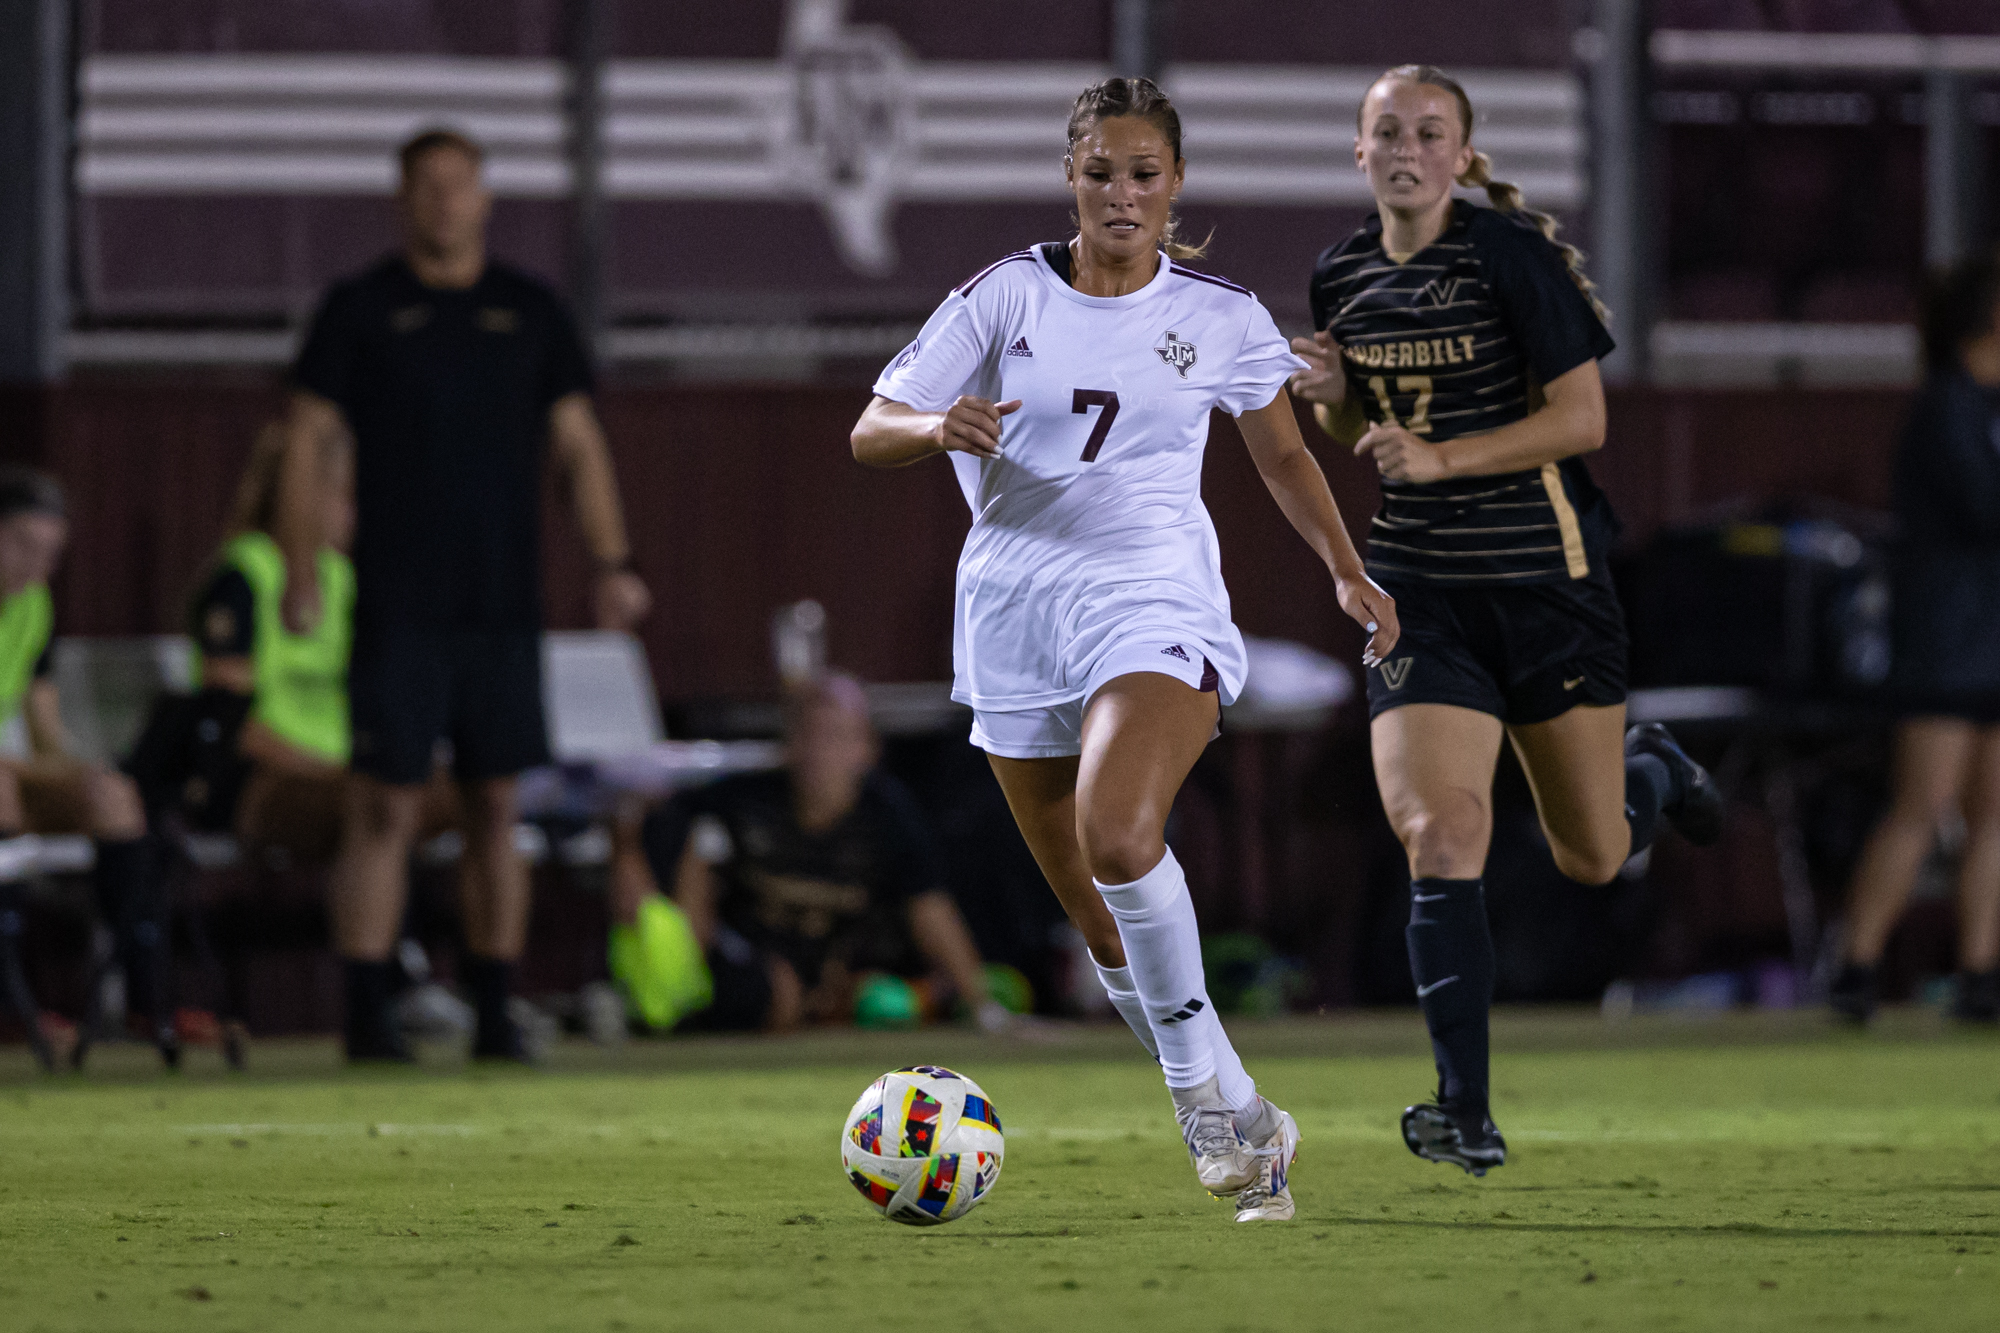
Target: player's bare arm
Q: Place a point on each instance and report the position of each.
(237, 673)
(940, 932)
(695, 892)
(620, 597)
(1295, 481)
(48, 739)
(312, 425)
(892, 434)
(1571, 422)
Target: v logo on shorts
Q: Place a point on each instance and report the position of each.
(1396, 674)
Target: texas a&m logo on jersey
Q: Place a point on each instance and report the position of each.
(1177, 353)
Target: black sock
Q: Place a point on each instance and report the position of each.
(491, 982)
(371, 1025)
(129, 895)
(1649, 789)
(1451, 960)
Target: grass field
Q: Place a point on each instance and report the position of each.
(1743, 1174)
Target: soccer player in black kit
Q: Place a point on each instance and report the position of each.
(449, 370)
(1456, 350)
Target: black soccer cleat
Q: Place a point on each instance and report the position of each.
(501, 1043)
(373, 1038)
(1697, 812)
(1432, 1133)
(1852, 995)
(1978, 997)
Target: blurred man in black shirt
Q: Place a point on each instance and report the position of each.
(449, 370)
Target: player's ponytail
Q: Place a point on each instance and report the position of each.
(1503, 195)
(1144, 99)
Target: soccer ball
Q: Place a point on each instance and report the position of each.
(923, 1145)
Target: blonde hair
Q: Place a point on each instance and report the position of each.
(1144, 99)
(1503, 195)
(255, 506)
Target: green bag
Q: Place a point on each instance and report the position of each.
(659, 965)
(883, 1001)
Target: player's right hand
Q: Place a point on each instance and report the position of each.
(972, 426)
(1322, 381)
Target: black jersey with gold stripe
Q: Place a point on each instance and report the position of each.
(1456, 340)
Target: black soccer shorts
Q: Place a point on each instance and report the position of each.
(410, 688)
(1522, 654)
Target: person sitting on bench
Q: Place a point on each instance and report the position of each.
(51, 790)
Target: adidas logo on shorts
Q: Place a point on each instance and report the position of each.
(1020, 347)
(1176, 651)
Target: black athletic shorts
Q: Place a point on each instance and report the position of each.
(408, 689)
(742, 997)
(1981, 710)
(1522, 654)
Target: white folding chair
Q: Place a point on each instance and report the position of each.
(598, 693)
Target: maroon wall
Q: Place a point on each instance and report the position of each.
(743, 498)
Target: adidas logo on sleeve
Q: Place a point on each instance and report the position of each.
(1020, 347)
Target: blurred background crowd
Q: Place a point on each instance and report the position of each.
(762, 809)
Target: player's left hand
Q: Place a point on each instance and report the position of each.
(621, 599)
(1401, 456)
(1370, 606)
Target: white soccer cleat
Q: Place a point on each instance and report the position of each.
(1224, 1161)
(1268, 1198)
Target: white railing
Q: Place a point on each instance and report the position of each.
(1825, 52)
(710, 129)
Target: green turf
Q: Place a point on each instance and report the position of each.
(1737, 1175)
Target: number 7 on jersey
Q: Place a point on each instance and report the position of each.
(1082, 400)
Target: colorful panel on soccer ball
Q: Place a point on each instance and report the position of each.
(979, 1110)
(920, 1123)
(940, 1183)
(867, 1131)
(986, 1170)
(874, 1189)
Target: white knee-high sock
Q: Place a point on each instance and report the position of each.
(1163, 954)
(1124, 996)
(1239, 1090)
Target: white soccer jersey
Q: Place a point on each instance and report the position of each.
(1088, 530)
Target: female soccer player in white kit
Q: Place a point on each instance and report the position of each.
(1071, 387)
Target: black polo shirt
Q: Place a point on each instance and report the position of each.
(448, 395)
(841, 894)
